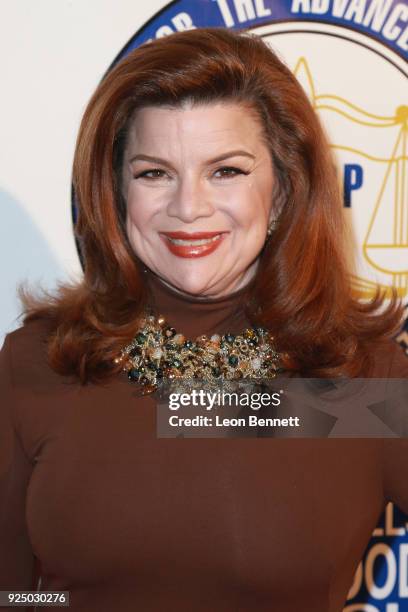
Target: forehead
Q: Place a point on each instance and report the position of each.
(206, 125)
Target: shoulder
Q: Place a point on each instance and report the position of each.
(26, 353)
(32, 393)
(389, 359)
(28, 341)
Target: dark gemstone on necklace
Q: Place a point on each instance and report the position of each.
(134, 351)
(188, 344)
(141, 338)
(216, 371)
(134, 374)
(233, 360)
(159, 373)
(229, 338)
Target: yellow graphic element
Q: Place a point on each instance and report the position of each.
(388, 255)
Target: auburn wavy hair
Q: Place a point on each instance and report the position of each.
(302, 291)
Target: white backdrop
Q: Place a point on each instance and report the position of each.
(53, 54)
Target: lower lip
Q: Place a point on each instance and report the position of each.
(189, 250)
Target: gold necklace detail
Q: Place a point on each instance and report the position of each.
(158, 352)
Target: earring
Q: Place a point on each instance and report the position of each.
(271, 227)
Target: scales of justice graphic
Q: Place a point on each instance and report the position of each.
(383, 244)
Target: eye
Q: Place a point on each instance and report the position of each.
(228, 172)
(152, 174)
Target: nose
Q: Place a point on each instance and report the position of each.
(190, 200)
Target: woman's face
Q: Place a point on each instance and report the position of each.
(198, 185)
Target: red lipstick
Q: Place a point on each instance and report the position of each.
(196, 244)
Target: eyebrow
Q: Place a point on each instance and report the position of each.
(159, 160)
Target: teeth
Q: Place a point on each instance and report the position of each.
(193, 242)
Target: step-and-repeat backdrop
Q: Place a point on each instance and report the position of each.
(351, 58)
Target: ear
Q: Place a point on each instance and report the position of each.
(273, 216)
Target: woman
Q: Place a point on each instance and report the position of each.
(206, 195)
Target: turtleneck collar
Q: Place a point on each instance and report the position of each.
(196, 315)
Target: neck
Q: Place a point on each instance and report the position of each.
(244, 285)
(194, 315)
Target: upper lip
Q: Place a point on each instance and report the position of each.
(191, 236)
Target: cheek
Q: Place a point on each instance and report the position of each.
(250, 205)
(141, 206)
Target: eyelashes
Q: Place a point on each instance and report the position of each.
(225, 172)
(145, 174)
(230, 171)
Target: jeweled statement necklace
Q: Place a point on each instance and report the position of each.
(158, 353)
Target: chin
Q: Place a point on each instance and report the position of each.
(195, 289)
(193, 286)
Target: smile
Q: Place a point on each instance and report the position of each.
(198, 244)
